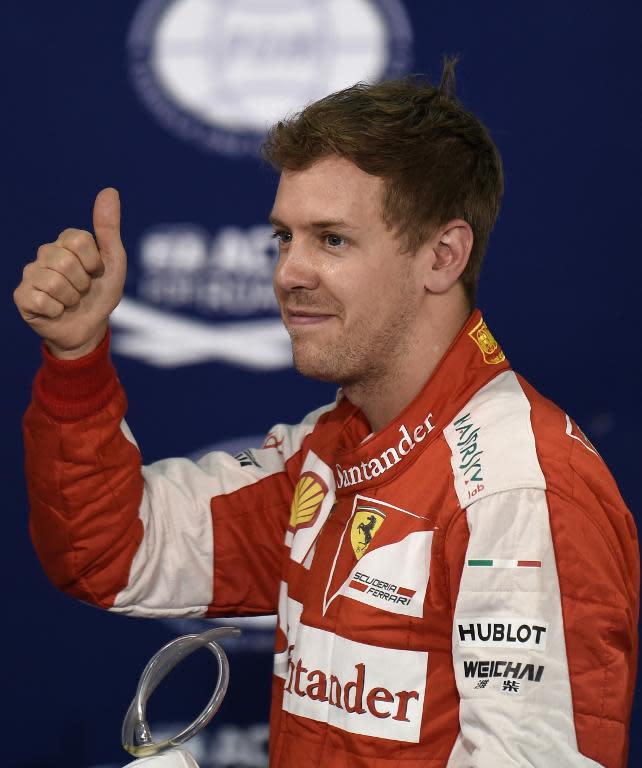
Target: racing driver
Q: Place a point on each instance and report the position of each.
(454, 571)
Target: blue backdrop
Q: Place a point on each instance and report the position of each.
(166, 100)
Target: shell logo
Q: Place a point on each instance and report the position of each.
(308, 496)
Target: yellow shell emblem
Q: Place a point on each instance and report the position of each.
(487, 344)
(365, 524)
(308, 497)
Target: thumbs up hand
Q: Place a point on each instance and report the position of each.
(69, 291)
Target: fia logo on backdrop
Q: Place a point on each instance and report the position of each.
(217, 74)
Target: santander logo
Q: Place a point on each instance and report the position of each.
(350, 695)
(376, 466)
(357, 687)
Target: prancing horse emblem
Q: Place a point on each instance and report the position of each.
(365, 524)
(366, 529)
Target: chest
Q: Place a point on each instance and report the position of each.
(366, 560)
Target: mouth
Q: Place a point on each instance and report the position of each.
(296, 317)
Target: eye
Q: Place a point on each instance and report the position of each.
(334, 241)
(283, 236)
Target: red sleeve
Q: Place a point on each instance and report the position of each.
(598, 564)
(174, 538)
(83, 477)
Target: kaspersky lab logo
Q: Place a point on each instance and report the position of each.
(470, 454)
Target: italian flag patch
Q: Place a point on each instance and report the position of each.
(504, 563)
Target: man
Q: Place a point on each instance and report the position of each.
(455, 573)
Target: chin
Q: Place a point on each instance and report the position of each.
(312, 370)
(316, 366)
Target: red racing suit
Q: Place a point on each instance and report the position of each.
(457, 590)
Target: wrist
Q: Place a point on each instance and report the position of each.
(70, 389)
(77, 352)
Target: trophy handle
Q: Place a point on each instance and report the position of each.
(136, 735)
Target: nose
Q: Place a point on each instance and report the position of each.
(295, 268)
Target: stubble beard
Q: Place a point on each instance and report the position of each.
(360, 358)
(340, 362)
(366, 355)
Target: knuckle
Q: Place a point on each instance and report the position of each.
(67, 261)
(66, 233)
(54, 283)
(39, 302)
(80, 240)
(75, 239)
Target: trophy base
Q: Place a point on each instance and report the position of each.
(174, 758)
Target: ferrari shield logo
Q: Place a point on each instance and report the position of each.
(366, 522)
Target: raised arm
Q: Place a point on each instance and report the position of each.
(175, 538)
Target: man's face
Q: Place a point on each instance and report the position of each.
(348, 295)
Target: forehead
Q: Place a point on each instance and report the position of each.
(331, 188)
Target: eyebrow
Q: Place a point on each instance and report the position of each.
(320, 224)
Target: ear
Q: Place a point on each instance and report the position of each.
(448, 253)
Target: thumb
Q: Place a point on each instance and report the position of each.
(107, 222)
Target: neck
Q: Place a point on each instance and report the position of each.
(385, 395)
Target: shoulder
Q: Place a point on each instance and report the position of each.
(508, 436)
(570, 462)
(492, 443)
(517, 456)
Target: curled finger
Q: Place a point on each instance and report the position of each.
(55, 285)
(34, 303)
(82, 244)
(66, 263)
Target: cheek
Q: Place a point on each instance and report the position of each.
(380, 287)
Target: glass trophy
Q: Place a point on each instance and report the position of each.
(136, 735)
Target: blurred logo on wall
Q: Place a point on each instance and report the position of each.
(217, 73)
(203, 297)
(224, 745)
